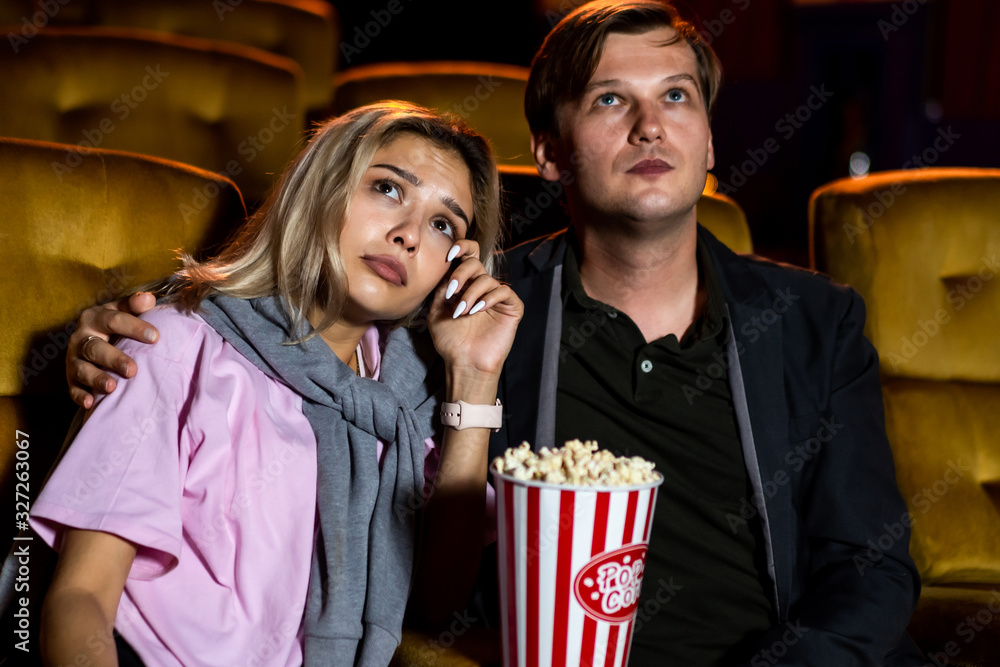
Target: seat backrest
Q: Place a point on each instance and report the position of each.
(303, 30)
(224, 107)
(488, 96)
(922, 248)
(70, 240)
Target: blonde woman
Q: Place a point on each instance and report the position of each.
(258, 490)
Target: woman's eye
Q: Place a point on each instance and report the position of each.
(677, 95)
(389, 189)
(607, 100)
(445, 227)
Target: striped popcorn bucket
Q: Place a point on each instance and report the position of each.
(571, 564)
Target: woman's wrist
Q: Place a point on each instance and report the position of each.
(471, 386)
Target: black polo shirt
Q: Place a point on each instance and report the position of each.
(705, 594)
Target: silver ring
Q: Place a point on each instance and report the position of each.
(83, 347)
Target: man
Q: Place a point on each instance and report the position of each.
(749, 384)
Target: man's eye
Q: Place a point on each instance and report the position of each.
(677, 95)
(607, 99)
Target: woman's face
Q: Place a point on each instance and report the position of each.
(413, 203)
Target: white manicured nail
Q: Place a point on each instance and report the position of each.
(452, 286)
(459, 309)
(453, 253)
(476, 308)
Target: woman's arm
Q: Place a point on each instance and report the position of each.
(78, 614)
(474, 347)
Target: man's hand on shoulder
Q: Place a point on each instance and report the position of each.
(90, 357)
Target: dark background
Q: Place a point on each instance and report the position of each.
(897, 73)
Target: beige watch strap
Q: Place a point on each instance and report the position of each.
(463, 415)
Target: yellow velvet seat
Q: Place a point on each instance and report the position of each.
(223, 107)
(70, 240)
(922, 248)
(303, 30)
(488, 96)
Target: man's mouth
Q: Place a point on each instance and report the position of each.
(650, 167)
(387, 267)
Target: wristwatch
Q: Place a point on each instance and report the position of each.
(467, 415)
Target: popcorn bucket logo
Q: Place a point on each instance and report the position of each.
(608, 586)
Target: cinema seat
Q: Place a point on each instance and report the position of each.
(75, 238)
(303, 30)
(219, 106)
(922, 249)
(488, 96)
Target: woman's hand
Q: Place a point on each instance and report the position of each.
(90, 354)
(473, 317)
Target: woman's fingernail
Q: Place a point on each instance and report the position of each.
(150, 335)
(476, 308)
(452, 286)
(123, 370)
(459, 309)
(453, 253)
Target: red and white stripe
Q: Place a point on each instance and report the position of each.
(547, 534)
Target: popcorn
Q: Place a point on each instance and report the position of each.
(577, 463)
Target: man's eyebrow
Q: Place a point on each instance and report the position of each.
(407, 176)
(611, 83)
(455, 208)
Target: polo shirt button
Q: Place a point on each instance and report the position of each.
(612, 314)
(646, 365)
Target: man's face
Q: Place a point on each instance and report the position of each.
(637, 143)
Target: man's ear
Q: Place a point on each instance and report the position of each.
(711, 152)
(544, 148)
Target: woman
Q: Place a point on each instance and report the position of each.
(197, 533)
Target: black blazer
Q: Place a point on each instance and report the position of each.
(808, 400)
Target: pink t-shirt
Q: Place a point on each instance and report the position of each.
(209, 467)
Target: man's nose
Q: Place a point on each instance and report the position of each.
(647, 126)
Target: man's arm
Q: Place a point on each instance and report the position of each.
(89, 361)
(82, 601)
(855, 600)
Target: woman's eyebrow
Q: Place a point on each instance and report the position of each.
(407, 176)
(455, 208)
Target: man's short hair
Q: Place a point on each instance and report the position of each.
(571, 52)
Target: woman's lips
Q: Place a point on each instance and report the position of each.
(387, 267)
(648, 167)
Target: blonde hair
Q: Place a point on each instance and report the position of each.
(291, 245)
